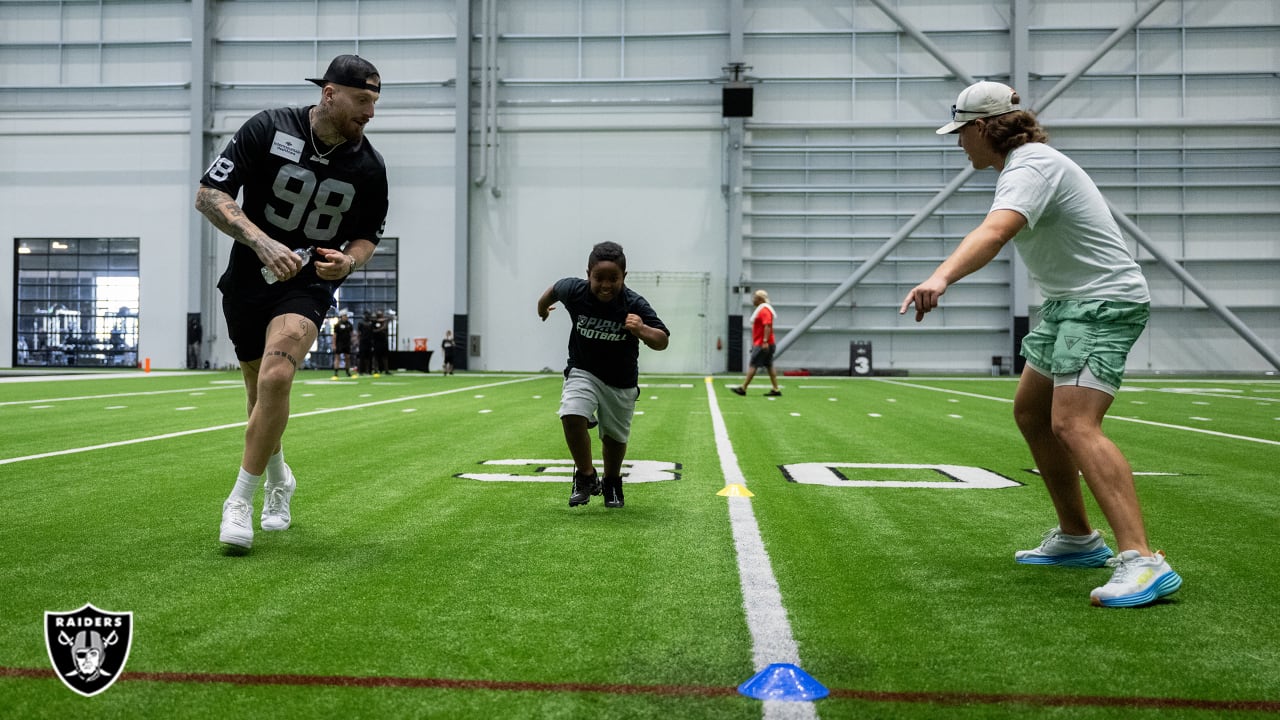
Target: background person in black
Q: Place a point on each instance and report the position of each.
(342, 344)
(364, 342)
(447, 346)
(381, 343)
(309, 179)
(601, 381)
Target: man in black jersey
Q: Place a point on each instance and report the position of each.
(342, 356)
(310, 180)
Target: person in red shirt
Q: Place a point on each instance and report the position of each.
(762, 344)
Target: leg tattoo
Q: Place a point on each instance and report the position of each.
(286, 356)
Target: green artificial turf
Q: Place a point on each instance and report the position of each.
(405, 589)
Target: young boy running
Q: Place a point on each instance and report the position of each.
(601, 380)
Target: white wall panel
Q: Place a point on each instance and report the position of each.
(117, 185)
(657, 194)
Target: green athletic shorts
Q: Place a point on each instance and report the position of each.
(1076, 333)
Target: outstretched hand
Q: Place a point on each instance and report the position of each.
(545, 313)
(924, 296)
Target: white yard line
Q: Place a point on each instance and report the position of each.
(771, 638)
(1121, 418)
(206, 388)
(215, 428)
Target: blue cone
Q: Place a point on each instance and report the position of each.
(783, 681)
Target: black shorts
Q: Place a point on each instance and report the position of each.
(342, 345)
(762, 356)
(247, 322)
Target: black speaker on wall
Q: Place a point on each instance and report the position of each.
(735, 101)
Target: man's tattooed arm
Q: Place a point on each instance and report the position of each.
(222, 210)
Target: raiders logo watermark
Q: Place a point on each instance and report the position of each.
(88, 647)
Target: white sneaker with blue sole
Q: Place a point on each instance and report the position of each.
(1137, 581)
(1067, 550)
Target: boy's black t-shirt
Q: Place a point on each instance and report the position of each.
(599, 342)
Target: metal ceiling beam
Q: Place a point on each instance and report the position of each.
(924, 41)
(807, 322)
(1194, 285)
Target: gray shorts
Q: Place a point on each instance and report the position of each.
(761, 357)
(584, 394)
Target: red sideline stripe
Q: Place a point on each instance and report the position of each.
(960, 698)
(935, 698)
(398, 682)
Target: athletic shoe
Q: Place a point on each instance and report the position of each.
(275, 507)
(738, 390)
(583, 488)
(335, 377)
(1067, 550)
(613, 492)
(1137, 581)
(773, 393)
(237, 530)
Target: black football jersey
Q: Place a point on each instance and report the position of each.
(299, 194)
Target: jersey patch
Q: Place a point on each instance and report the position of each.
(287, 146)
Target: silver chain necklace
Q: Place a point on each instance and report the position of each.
(318, 156)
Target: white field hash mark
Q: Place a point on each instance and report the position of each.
(771, 638)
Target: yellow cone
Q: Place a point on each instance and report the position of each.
(735, 490)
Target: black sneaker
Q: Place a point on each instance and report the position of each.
(583, 488)
(738, 390)
(773, 393)
(613, 492)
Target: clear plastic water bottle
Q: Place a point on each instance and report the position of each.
(304, 254)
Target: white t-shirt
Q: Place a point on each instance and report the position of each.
(1071, 244)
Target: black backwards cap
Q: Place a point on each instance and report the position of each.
(351, 71)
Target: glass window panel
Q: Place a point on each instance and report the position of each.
(77, 301)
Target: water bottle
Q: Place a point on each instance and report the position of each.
(304, 254)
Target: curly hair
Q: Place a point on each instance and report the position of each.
(607, 251)
(1013, 130)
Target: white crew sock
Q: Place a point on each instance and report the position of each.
(246, 486)
(276, 469)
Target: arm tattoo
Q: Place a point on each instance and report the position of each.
(226, 215)
(284, 355)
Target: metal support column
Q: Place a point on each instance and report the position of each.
(462, 183)
(202, 239)
(1020, 277)
(735, 134)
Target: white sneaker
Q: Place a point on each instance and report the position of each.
(275, 505)
(1137, 581)
(1067, 550)
(237, 528)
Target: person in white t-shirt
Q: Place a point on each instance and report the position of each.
(1096, 305)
